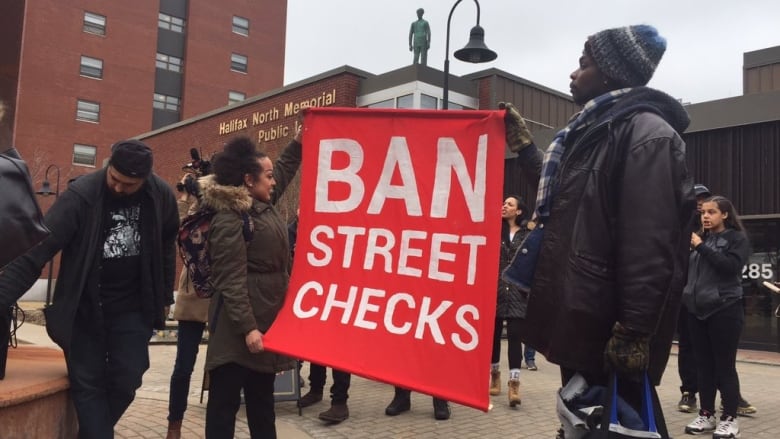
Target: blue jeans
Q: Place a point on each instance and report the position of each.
(187, 344)
(529, 354)
(105, 369)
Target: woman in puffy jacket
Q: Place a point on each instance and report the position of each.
(713, 296)
(249, 279)
(510, 302)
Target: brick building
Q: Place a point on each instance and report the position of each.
(81, 74)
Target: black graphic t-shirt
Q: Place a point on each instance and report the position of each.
(120, 274)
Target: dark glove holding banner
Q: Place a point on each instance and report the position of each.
(627, 352)
(518, 136)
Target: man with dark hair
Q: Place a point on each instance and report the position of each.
(613, 220)
(116, 228)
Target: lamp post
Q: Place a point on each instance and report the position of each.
(475, 51)
(46, 191)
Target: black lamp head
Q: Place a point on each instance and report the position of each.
(45, 189)
(475, 50)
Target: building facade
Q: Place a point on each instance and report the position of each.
(733, 144)
(79, 75)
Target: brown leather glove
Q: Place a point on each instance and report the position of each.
(518, 136)
(627, 352)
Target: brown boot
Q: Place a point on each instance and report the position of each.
(174, 430)
(514, 392)
(495, 382)
(337, 412)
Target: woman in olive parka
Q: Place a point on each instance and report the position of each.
(250, 281)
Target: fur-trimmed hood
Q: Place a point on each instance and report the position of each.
(221, 197)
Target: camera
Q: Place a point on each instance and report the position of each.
(198, 167)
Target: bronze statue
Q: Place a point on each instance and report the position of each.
(420, 39)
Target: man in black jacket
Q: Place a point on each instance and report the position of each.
(116, 228)
(614, 211)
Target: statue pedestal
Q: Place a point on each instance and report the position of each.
(34, 398)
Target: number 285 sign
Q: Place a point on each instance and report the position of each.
(758, 271)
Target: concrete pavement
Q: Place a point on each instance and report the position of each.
(535, 418)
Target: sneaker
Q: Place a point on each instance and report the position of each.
(727, 428)
(744, 408)
(310, 398)
(687, 403)
(702, 424)
(531, 365)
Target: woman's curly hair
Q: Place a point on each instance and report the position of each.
(238, 158)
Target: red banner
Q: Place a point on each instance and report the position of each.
(396, 262)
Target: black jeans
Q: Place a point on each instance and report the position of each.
(187, 345)
(339, 391)
(225, 384)
(514, 345)
(715, 340)
(686, 357)
(105, 369)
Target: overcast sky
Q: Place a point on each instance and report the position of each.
(537, 40)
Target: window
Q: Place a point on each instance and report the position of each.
(88, 111)
(94, 23)
(389, 103)
(165, 102)
(428, 102)
(84, 155)
(238, 62)
(405, 101)
(91, 67)
(169, 62)
(240, 25)
(165, 21)
(235, 96)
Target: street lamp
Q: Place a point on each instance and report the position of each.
(475, 51)
(46, 191)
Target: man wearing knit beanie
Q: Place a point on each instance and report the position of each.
(116, 228)
(627, 55)
(129, 166)
(614, 208)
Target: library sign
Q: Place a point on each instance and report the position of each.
(273, 123)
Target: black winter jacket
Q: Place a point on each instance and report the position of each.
(615, 246)
(511, 303)
(76, 224)
(715, 273)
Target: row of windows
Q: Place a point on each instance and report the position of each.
(407, 101)
(96, 23)
(93, 67)
(89, 111)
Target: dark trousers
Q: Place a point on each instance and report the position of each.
(402, 393)
(514, 345)
(339, 391)
(715, 340)
(5, 337)
(105, 369)
(225, 384)
(187, 345)
(686, 357)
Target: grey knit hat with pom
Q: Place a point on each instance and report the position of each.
(628, 55)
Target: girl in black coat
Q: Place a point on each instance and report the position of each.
(713, 296)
